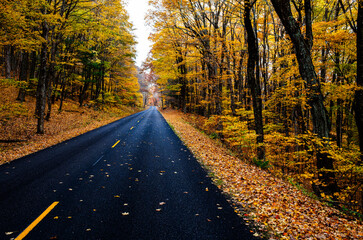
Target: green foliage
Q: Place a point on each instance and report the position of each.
(213, 135)
(263, 164)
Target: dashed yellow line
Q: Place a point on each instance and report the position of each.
(115, 144)
(36, 221)
(131, 128)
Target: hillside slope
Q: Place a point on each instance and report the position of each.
(18, 124)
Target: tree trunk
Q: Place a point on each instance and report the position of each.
(253, 79)
(23, 75)
(42, 82)
(87, 76)
(63, 94)
(7, 53)
(182, 81)
(358, 98)
(231, 88)
(51, 76)
(33, 64)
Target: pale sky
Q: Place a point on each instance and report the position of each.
(137, 10)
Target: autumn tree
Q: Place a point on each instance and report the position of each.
(302, 45)
(253, 76)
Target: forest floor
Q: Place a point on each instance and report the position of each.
(18, 136)
(273, 207)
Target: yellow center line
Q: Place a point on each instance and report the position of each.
(115, 144)
(131, 128)
(36, 221)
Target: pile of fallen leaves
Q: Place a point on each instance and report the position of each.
(276, 208)
(18, 136)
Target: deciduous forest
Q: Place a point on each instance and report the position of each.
(80, 50)
(279, 82)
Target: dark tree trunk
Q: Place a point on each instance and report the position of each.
(33, 64)
(87, 80)
(340, 102)
(253, 79)
(23, 75)
(62, 95)
(215, 92)
(308, 24)
(182, 81)
(230, 88)
(7, 53)
(320, 118)
(358, 99)
(51, 76)
(265, 61)
(241, 89)
(42, 82)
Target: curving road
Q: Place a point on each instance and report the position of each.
(131, 179)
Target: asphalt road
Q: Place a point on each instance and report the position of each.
(132, 179)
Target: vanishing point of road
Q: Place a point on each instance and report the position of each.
(131, 179)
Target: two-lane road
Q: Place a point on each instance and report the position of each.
(132, 179)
